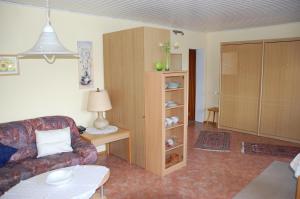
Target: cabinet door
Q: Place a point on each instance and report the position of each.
(240, 86)
(119, 82)
(280, 114)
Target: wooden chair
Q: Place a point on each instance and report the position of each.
(214, 110)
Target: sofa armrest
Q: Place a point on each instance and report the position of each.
(86, 151)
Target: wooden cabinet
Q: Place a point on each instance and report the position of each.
(280, 114)
(240, 87)
(161, 157)
(127, 55)
(260, 88)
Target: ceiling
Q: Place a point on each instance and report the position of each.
(200, 15)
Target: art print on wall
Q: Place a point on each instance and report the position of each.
(9, 65)
(86, 73)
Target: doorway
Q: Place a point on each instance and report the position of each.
(196, 108)
(192, 85)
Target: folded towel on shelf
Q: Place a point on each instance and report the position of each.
(295, 165)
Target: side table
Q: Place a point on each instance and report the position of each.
(102, 139)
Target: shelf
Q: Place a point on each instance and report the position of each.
(178, 106)
(175, 126)
(173, 89)
(168, 165)
(172, 164)
(173, 147)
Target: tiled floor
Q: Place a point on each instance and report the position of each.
(208, 175)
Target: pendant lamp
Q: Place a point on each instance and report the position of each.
(48, 44)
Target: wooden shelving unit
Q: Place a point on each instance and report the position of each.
(160, 158)
(127, 55)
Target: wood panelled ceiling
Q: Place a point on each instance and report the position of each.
(200, 15)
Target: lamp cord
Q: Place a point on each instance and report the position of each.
(48, 12)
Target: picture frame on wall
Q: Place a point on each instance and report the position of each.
(85, 64)
(9, 65)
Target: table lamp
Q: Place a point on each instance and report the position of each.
(99, 102)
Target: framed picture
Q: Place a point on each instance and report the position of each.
(86, 72)
(9, 65)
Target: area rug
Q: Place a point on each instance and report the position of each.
(269, 149)
(213, 141)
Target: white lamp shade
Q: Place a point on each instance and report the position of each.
(48, 44)
(98, 101)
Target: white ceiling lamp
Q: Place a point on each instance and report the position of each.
(48, 44)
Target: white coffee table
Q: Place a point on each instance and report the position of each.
(85, 181)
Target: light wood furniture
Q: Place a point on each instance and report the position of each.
(259, 88)
(127, 55)
(280, 100)
(158, 155)
(107, 139)
(240, 87)
(214, 110)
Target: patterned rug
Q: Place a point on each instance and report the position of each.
(213, 141)
(269, 149)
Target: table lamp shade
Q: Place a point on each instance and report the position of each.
(98, 101)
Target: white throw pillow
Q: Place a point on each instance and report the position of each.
(53, 141)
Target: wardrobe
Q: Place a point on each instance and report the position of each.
(128, 54)
(260, 91)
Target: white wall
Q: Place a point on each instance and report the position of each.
(200, 85)
(190, 40)
(43, 89)
(214, 40)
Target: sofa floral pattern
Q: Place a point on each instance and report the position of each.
(24, 164)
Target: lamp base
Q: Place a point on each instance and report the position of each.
(100, 122)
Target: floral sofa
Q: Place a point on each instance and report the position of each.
(24, 164)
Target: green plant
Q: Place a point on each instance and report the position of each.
(166, 47)
(167, 50)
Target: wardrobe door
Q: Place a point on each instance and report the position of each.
(240, 86)
(280, 112)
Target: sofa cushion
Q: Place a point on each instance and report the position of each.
(63, 160)
(53, 141)
(34, 166)
(5, 153)
(8, 178)
(37, 166)
(29, 151)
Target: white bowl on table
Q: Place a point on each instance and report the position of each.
(59, 177)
